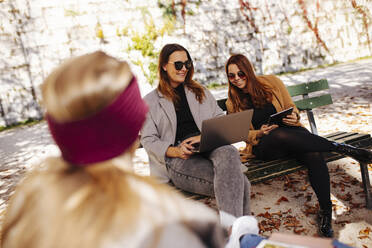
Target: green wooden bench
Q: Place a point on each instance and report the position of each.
(259, 171)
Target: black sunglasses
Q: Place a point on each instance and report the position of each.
(179, 64)
(240, 74)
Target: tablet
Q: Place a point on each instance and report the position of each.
(278, 117)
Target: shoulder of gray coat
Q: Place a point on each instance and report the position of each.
(151, 96)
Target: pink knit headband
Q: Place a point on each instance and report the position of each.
(104, 135)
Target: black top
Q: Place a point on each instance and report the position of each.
(261, 115)
(186, 126)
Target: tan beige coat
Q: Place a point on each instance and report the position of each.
(281, 101)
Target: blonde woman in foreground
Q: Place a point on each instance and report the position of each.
(89, 197)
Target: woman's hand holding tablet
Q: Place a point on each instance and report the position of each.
(277, 118)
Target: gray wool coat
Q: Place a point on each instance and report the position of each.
(159, 130)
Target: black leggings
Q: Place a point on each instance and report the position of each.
(306, 147)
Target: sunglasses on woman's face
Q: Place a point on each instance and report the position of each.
(179, 64)
(240, 74)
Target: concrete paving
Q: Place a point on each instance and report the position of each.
(351, 89)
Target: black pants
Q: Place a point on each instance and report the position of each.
(306, 147)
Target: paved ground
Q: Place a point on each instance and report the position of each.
(351, 89)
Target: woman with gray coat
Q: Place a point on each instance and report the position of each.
(177, 109)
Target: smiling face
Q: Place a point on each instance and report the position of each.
(176, 77)
(236, 76)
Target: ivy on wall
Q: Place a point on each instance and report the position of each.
(245, 7)
(172, 7)
(365, 18)
(313, 27)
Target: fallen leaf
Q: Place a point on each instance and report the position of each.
(299, 231)
(304, 188)
(299, 195)
(355, 205)
(266, 215)
(310, 209)
(365, 231)
(281, 199)
(346, 197)
(363, 237)
(277, 213)
(268, 229)
(288, 211)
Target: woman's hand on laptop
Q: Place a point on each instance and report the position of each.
(179, 151)
(190, 141)
(184, 150)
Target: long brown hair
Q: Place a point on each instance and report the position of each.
(164, 83)
(61, 205)
(259, 94)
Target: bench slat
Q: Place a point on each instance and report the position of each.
(331, 135)
(348, 137)
(313, 102)
(306, 88)
(258, 179)
(353, 138)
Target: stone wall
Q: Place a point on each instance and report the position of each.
(276, 35)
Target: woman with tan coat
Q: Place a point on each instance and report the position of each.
(267, 95)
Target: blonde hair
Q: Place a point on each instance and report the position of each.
(60, 205)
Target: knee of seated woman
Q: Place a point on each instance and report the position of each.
(226, 155)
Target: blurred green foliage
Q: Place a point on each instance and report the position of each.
(28, 122)
(168, 10)
(145, 41)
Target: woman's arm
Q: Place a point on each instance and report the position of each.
(151, 140)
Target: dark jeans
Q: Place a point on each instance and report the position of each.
(252, 240)
(306, 147)
(217, 173)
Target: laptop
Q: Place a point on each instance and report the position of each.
(224, 130)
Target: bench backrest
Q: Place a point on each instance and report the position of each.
(307, 103)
